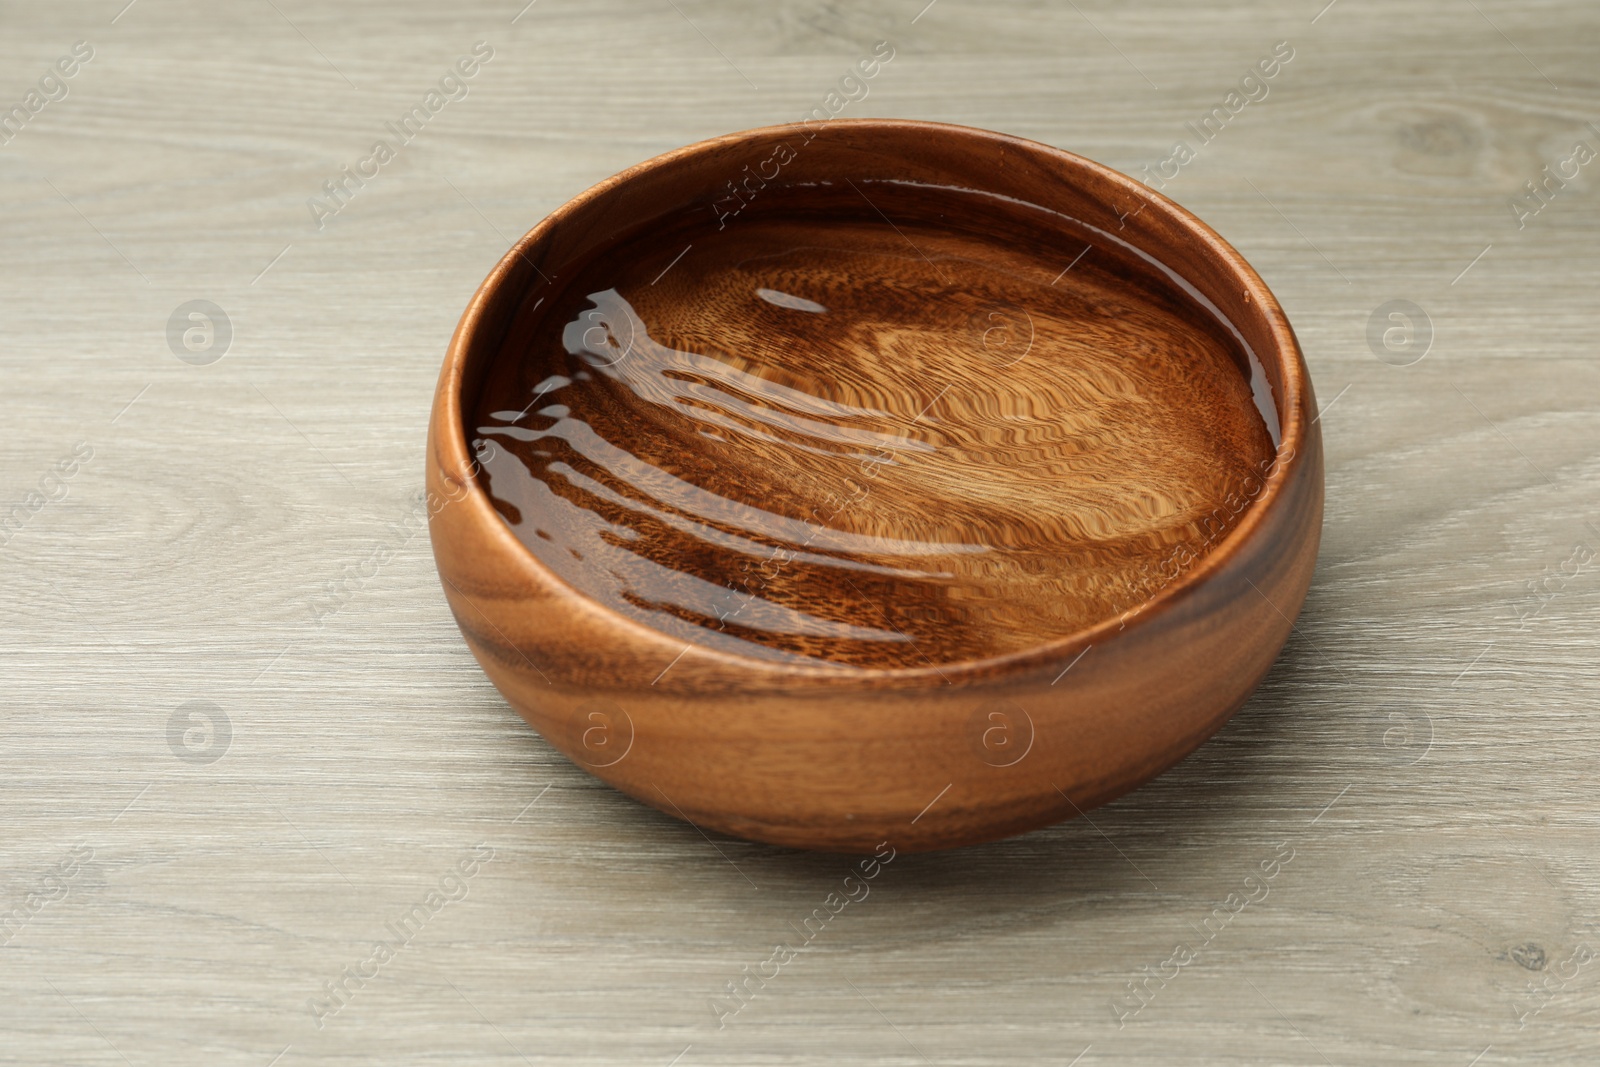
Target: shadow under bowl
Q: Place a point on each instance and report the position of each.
(874, 481)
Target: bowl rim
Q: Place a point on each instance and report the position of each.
(451, 451)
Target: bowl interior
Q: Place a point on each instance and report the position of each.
(876, 395)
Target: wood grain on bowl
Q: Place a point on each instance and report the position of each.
(953, 470)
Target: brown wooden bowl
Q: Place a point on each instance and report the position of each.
(1120, 540)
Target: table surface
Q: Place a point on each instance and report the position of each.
(216, 803)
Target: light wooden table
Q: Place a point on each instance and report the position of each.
(1426, 746)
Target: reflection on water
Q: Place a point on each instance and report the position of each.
(610, 339)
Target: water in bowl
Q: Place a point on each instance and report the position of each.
(884, 426)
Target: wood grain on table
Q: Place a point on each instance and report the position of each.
(239, 754)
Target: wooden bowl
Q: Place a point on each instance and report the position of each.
(876, 481)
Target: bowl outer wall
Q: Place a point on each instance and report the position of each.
(828, 758)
